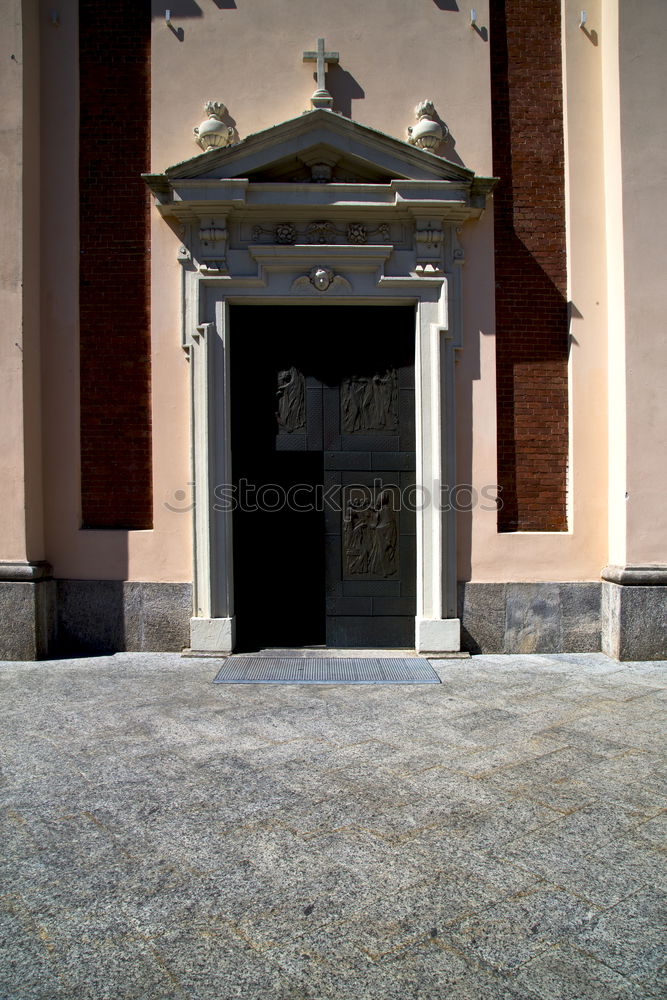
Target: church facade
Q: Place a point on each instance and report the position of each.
(333, 325)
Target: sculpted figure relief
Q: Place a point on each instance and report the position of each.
(370, 537)
(291, 401)
(369, 403)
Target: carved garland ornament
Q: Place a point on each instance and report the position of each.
(320, 233)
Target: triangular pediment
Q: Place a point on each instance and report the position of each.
(287, 152)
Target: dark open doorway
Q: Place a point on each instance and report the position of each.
(323, 459)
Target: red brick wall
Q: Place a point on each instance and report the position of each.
(531, 307)
(114, 67)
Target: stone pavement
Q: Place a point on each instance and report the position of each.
(500, 835)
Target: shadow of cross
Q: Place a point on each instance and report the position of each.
(321, 98)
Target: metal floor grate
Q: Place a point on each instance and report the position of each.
(241, 669)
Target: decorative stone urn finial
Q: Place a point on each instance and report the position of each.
(213, 132)
(429, 130)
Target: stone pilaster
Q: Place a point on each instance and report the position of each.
(634, 612)
(27, 610)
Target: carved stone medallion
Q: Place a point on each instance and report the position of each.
(321, 279)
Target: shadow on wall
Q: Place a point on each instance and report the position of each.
(531, 378)
(530, 259)
(343, 88)
(446, 148)
(90, 617)
(178, 8)
(186, 8)
(477, 322)
(96, 617)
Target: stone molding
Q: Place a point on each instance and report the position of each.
(306, 137)
(636, 576)
(24, 572)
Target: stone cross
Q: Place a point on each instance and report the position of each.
(321, 97)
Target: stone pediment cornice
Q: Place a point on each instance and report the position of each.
(189, 200)
(273, 167)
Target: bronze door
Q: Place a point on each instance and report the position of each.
(323, 461)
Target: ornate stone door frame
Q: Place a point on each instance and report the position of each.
(212, 627)
(390, 239)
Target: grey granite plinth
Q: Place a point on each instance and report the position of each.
(634, 622)
(481, 609)
(530, 617)
(108, 616)
(26, 619)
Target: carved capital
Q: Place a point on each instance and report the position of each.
(24, 572)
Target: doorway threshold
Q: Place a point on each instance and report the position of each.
(342, 652)
(319, 652)
(361, 651)
(279, 667)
